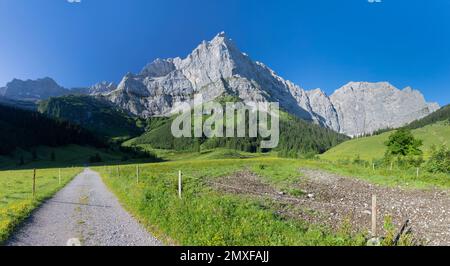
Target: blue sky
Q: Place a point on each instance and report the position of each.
(315, 43)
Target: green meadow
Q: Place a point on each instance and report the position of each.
(370, 148)
(208, 216)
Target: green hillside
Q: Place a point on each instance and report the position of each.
(442, 114)
(297, 138)
(95, 114)
(369, 148)
(25, 129)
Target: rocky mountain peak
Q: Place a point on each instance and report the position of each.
(33, 89)
(365, 107)
(102, 88)
(158, 68)
(217, 67)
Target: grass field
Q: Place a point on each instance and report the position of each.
(219, 153)
(16, 201)
(373, 147)
(206, 216)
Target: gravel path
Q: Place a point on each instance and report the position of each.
(85, 212)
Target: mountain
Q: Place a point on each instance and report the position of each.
(45, 88)
(213, 69)
(93, 113)
(218, 68)
(101, 88)
(363, 107)
(32, 90)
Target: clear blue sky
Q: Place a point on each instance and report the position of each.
(315, 43)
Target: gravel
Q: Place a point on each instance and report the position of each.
(332, 199)
(84, 212)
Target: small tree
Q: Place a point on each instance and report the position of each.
(403, 143)
(405, 147)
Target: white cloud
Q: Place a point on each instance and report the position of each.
(74, 1)
(370, 1)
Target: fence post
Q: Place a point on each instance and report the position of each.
(59, 179)
(374, 216)
(137, 173)
(418, 171)
(118, 171)
(179, 184)
(373, 166)
(392, 165)
(34, 183)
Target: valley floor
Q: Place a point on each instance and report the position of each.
(83, 211)
(235, 201)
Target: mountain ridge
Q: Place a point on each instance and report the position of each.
(217, 67)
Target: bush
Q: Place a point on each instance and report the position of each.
(439, 161)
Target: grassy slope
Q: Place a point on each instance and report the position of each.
(373, 147)
(16, 201)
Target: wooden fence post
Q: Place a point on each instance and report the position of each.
(373, 166)
(374, 216)
(418, 171)
(179, 184)
(137, 173)
(59, 179)
(34, 183)
(118, 171)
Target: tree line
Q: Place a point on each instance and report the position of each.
(297, 139)
(25, 129)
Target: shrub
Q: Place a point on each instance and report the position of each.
(439, 161)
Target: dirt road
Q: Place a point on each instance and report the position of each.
(84, 213)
